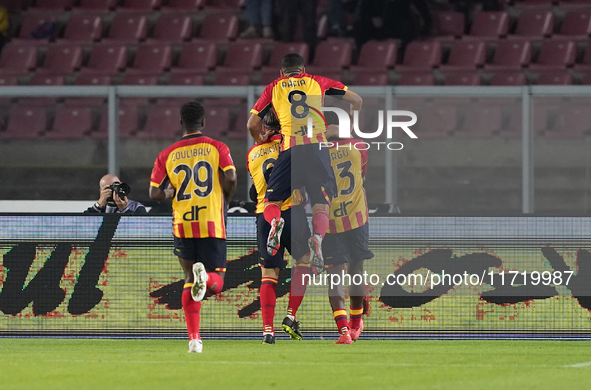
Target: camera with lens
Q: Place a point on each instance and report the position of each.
(121, 189)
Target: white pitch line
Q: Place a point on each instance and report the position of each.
(579, 365)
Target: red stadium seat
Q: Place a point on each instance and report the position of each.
(218, 117)
(162, 123)
(232, 79)
(8, 80)
(140, 5)
(481, 121)
(97, 5)
(128, 122)
(436, 122)
(585, 66)
(376, 56)
(575, 4)
(534, 4)
(489, 26)
(449, 25)
(416, 79)
(420, 56)
(106, 59)
(71, 123)
(89, 79)
(571, 122)
(462, 79)
(331, 56)
(269, 75)
(184, 5)
(238, 131)
(197, 58)
(219, 27)
(515, 130)
(586, 79)
(47, 79)
(128, 28)
(17, 59)
(62, 60)
(534, 24)
(510, 55)
(185, 79)
(576, 26)
(366, 78)
(31, 24)
(53, 5)
(226, 4)
(279, 51)
(152, 58)
(173, 28)
(555, 55)
(465, 55)
(555, 78)
(26, 123)
(140, 79)
(242, 57)
(508, 79)
(83, 28)
(92, 79)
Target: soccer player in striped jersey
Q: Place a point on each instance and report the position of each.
(296, 97)
(347, 240)
(260, 161)
(198, 173)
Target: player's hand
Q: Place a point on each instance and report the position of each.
(169, 191)
(120, 202)
(104, 195)
(263, 137)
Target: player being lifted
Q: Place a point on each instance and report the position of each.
(260, 161)
(198, 173)
(297, 97)
(347, 240)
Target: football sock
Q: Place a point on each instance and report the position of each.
(215, 282)
(320, 222)
(340, 317)
(356, 314)
(268, 300)
(192, 312)
(297, 289)
(271, 212)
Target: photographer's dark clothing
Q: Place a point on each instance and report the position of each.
(133, 207)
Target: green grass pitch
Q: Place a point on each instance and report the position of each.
(309, 364)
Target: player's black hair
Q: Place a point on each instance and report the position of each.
(292, 62)
(331, 118)
(271, 122)
(192, 115)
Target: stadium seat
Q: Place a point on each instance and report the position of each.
(366, 78)
(17, 59)
(416, 79)
(489, 26)
(555, 55)
(510, 55)
(232, 79)
(25, 123)
(534, 24)
(584, 66)
(52, 5)
(449, 25)
(508, 79)
(62, 60)
(128, 122)
(47, 79)
(331, 56)
(183, 5)
(269, 75)
(185, 79)
(436, 122)
(8, 80)
(173, 28)
(242, 57)
(152, 58)
(196, 58)
(96, 5)
(465, 55)
(162, 123)
(140, 79)
(571, 122)
(238, 131)
(376, 56)
(71, 123)
(89, 79)
(31, 25)
(226, 4)
(481, 121)
(420, 56)
(140, 5)
(538, 4)
(83, 28)
(279, 51)
(106, 59)
(586, 79)
(514, 128)
(462, 79)
(555, 78)
(219, 118)
(219, 27)
(127, 28)
(576, 4)
(92, 79)
(576, 26)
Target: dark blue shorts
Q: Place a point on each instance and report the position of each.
(209, 251)
(345, 247)
(303, 166)
(294, 237)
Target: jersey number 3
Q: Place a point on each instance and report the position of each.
(345, 173)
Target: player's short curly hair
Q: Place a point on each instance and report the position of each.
(271, 122)
(292, 62)
(192, 114)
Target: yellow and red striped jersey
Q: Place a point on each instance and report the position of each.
(296, 98)
(259, 159)
(192, 165)
(348, 209)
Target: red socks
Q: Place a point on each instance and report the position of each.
(271, 212)
(215, 283)
(297, 288)
(192, 312)
(340, 317)
(320, 222)
(356, 314)
(268, 301)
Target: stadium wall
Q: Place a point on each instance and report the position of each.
(74, 275)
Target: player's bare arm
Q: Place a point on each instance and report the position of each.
(354, 100)
(159, 194)
(254, 128)
(229, 181)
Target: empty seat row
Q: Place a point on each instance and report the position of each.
(134, 5)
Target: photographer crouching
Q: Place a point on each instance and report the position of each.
(113, 198)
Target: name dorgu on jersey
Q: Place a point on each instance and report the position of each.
(190, 153)
(274, 148)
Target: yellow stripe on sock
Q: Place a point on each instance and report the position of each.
(339, 313)
(356, 312)
(187, 285)
(306, 265)
(269, 280)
